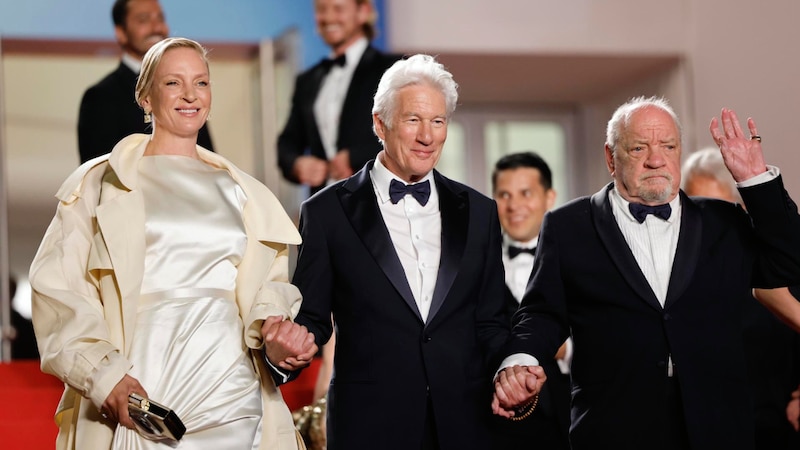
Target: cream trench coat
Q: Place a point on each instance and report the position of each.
(87, 275)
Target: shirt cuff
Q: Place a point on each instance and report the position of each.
(280, 372)
(517, 359)
(111, 370)
(771, 173)
(564, 363)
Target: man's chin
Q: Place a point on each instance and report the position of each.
(656, 195)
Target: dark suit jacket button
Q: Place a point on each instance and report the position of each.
(426, 339)
(667, 316)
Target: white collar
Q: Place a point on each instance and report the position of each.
(132, 63)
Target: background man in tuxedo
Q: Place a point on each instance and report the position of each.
(650, 295)
(328, 135)
(523, 189)
(409, 264)
(109, 111)
(772, 349)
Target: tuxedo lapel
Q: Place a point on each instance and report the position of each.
(618, 249)
(454, 211)
(359, 204)
(686, 254)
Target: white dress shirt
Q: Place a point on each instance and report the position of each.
(518, 269)
(653, 243)
(332, 92)
(416, 233)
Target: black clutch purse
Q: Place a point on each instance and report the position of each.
(155, 421)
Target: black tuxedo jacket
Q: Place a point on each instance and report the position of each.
(301, 136)
(548, 427)
(109, 112)
(586, 280)
(388, 362)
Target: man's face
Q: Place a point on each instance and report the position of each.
(522, 201)
(339, 22)
(144, 26)
(413, 144)
(646, 163)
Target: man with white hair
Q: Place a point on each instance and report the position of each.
(646, 282)
(409, 264)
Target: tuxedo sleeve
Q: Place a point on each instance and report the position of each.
(314, 275)
(292, 142)
(776, 226)
(491, 318)
(539, 326)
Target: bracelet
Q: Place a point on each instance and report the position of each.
(530, 407)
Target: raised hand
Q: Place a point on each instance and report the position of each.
(288, 345)
(742, 154)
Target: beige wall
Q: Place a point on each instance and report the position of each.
(734, 53)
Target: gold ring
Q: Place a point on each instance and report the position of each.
(755, 137)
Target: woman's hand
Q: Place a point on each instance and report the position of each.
(116, 405)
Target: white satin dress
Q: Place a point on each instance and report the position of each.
(188, 348)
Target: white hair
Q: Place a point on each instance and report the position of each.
(416, 70)
(622, 117)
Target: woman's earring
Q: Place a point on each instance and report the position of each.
(147, 117)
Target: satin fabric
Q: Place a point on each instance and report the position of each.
(188, 350)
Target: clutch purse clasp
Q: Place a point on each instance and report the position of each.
(155, 421)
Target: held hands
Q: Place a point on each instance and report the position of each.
(742, 154)
(288, 345)
(116, 405)
(515, 387)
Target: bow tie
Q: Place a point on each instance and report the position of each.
(420, 191)
(640, 211)
(328, 63)
(514, 251)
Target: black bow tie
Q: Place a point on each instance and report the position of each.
(640, 211)
(328, 63)
(420, 191)
(514, 251)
